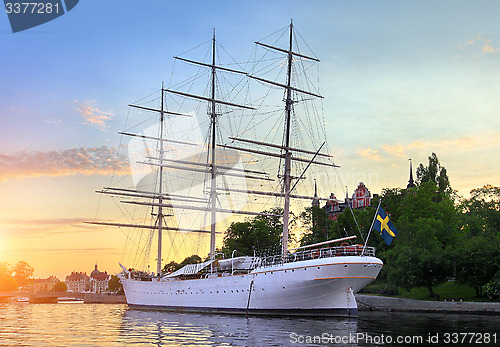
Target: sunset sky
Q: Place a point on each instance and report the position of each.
(401, 79)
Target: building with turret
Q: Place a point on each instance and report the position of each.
(98, 281)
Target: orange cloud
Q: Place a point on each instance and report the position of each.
(465, 143)
(93, 115)
(44, 227)
(369, 153)
(486, 48)
(75, 161)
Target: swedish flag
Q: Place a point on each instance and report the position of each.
(384, 226)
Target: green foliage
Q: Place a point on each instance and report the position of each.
(258, 234)
(170, 267)
(115, 286)
(493, 288)
(440, 238)
(192, 259)
(476, 260)
(320, 227)
(420, 258)
(60, 287)
(436, 174)
(477, 255)
(481, 213)
(449, 290)
(173, 266)
(426, 219)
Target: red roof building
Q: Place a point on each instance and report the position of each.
(361, 197)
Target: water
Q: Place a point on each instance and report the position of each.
(77, 324)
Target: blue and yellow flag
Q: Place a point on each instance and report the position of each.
(384, 226)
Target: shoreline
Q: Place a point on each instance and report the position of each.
(385, 303)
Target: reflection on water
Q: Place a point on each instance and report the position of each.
(116, 325)
(225, 330)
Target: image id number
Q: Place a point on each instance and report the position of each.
(31, 7)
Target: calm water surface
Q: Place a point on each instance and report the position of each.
(76, 324)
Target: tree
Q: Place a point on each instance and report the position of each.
(260, 233)
(481, 213)
(115, 286)
(436, 174)
(7, 281)
(493, 288)
(476, 260)
(60, 287)
(427, 227)
(171, 267)
(192, 259)
(23, 272)
(420, 258)
(6, 269)
(317, 223)
(477, 255)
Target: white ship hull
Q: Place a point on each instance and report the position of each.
(324, 286)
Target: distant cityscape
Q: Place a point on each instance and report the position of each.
(76, 282)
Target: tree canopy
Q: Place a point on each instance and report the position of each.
(114, 285)
(261, 233)
(13, 276)
(440, 237)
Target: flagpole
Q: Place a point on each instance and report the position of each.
(373, 223)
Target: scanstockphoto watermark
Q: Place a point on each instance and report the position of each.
(382, 339)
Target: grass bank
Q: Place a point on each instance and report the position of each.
(447, 291)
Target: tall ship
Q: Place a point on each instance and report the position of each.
(314, 280)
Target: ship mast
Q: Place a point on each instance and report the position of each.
(288, 154)
(213, 186)
(160, 195)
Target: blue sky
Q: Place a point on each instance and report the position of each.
(400, 78)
